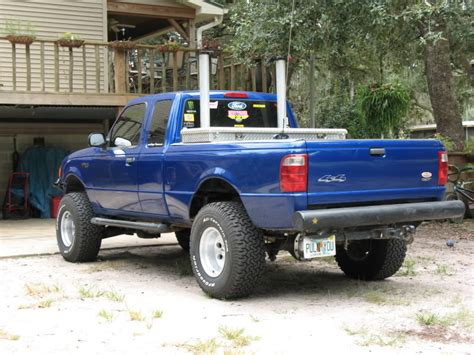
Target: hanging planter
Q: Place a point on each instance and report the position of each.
(211, 45)
(168, 47)
(122, 45)
(70, 43)
(21, 39)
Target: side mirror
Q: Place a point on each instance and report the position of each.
(96, 140)
(122, 142)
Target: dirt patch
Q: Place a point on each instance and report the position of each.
(147, 299)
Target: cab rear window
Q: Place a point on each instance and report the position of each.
(233, 113)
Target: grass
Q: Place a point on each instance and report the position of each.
(91, 292)
(114, 296)
(108, 316)
(45, 303)
(157, 314)
(443, 269)
(7, 336)
(463, 318)
(392, 339)
(228, 342)
(408, 268)
(209, 346)
(236, 336)
(41, 289)
(369, 339)
(136, 315)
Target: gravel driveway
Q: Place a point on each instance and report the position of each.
(145, 300)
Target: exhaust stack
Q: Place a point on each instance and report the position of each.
(204, 89)
(281, 92)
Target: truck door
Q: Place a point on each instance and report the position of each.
(117, 171)
(150, 164)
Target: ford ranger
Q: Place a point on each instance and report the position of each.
(235, 183)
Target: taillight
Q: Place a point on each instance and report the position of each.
(442, 168)
(60, 171)
(294, 173)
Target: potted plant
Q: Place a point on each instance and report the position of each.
(20, 33)
(122, 45)
(170, 46)
(70, 40)
(211, 44)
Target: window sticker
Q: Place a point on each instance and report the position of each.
(239, 125)
(238, 116)
(258, 105)
(213, 104)
(190, 105)
(237, 105)
(188, 124)
(188, 117)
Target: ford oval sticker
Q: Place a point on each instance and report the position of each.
(237, 105)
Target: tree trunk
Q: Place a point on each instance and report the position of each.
(441, 88)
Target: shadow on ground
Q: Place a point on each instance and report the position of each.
(315, 279)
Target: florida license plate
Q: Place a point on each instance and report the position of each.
(317, 248)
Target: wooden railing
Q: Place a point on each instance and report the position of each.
(95, 67)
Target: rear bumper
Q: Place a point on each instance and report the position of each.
(338, 218)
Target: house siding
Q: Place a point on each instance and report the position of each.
(86, 18)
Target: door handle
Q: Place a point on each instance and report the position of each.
(129, 161)
(379, 152)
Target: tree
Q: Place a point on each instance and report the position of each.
(366, 42)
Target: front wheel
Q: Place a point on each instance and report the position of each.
(182, 237)
(227, 251)
(371, 259)
(78, 239)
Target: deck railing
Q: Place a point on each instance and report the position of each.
(96, 67)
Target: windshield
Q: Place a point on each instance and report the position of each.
(233, 113)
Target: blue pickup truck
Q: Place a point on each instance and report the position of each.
(237, 191)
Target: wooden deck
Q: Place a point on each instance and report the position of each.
(98, 74)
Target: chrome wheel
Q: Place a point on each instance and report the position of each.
(212, 252)
(68, 229)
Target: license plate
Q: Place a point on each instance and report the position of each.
(317, 248)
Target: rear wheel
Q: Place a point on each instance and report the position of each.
(227, 251)
(371, 259)
(78, 239)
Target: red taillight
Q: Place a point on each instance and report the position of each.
(442, 168)
(294, 173)
(60, 171)
(236, 95)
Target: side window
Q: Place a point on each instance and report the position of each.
(159, 121)
(127, 128)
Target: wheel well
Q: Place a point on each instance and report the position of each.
(73, 184)
(212, 190)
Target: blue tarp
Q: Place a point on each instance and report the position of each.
(42, 163)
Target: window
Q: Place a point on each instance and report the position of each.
(159, 122)
(126, 131)
(233, 113)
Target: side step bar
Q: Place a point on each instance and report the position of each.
(145, 226)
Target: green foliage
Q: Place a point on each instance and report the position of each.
(19, 28)
(447, 142)
(384, 107)
(70, 36)
(469, 147)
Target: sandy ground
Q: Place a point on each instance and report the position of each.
(145, 300)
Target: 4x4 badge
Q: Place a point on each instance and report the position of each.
(333, 178)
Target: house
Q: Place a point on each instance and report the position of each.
(62, 93)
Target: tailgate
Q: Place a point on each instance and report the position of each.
(354, 171)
